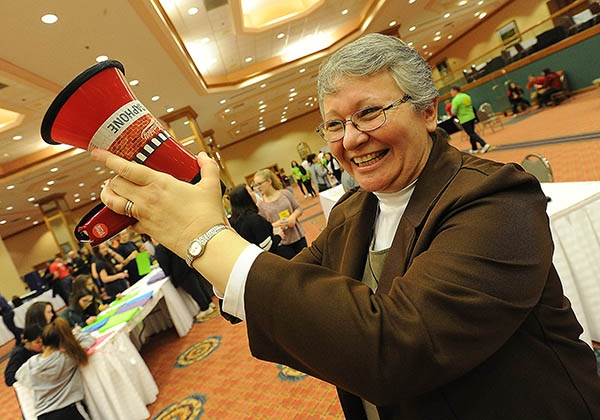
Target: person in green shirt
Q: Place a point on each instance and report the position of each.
(462, 108)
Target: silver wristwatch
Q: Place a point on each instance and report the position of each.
(197, 246)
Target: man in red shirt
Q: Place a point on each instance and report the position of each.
(62, 281)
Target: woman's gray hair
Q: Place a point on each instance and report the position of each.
(376, 52)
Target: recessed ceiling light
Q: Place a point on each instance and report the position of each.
(222, 101)
(187, 122)
(81, 184)
(476, 14)
(49, 18)
(101, 58)
(480, 3)
(134, 82)
(2, 222)
(261, 102)
(462, 2)
(263, 106)
(446, 15)
(10, 187)
(482, 15)
(237, 131)
(449, 36)
(392, 23)
(54, 170)
(411, 1)
(233, 122)
(248, 59)
(227, 111)
(9, 208)
(171, 109)
(412, 28)
(280, 35)
(261, 129)
(345, 12)
(155, 98)
(192, 11)
(292, 89)
(302, 70)
(77, 200)
(17, 138)
(437, 38)
(293, 94)
(28, 218)
(93, 198)
(46, 189)
(410, 44)
(36, 222)
(291, 99)
(264, 85)
(97, 168)
(76, 195)
(50, 182)
(30, 199)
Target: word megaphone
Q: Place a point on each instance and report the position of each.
(99, 110)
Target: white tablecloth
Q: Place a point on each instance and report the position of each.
(574, 212)
(57, 303)
(329, 197)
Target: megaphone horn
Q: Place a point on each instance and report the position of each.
(99, 110)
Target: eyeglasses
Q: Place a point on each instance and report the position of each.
(366, 119)
(258, 184)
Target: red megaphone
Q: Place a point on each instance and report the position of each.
(99, 110)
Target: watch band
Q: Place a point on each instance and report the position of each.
(198, 245)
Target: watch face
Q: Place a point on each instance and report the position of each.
(195, 248)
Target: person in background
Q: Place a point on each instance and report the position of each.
(39, 313)
(30, 346)
(8, 316)
(109, 274)
(462, 107)
(281, 209)
(298, 172)
(86, 282)
(535, 86)
(252, 226)
(128, 250)
(148, 245)
(54, 375)
(75, 314)
(188, 279)
(515, 96)
(551, 85)
(334, 167)
(318, 172)
(431, 292)
(61, 279)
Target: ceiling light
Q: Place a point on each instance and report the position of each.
(476, 14)
(36, 222)
(280, 35)
(77, 200)
(30, 199)
(262, 110)
(97, 168)
(248, 59)
(10, 187)
(50, 183)
(412, 28)
(291, 99)
(446, 15)
(17, 138)
(263, 106)
(155, 98)
(302, 70)
(264, 85)
(261, 129)
(222, 101)
(462, 2)
(192, 11)
(261, 102)
(449, 36)
(76, 195)
(2, 222)
(480, 3)
(283, 120)
(438, 33)
(170, 109)
(9, 208)
(237, 131)
(424, 47)
(81, 184)
(292, 89)
(227, 111)
(410, 44)
(28, 218)
(411, 1)
(437, 38)
(54, 170)
(345, 12)
(46, 189)
(134, 82)
(101, 58)
(186, 122)
(49, 18)
(293, 94)
(233, 122)
(93, 198)
(482, 15)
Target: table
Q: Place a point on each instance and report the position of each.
(117, 381)
(57, 303)
(574, 212)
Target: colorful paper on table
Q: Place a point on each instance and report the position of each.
(95, 326)
(154, 277)
(135, 303)
(121, 318)
(125, 298)
(143, 263)
(101, 339)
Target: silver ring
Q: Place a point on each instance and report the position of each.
(128, 208)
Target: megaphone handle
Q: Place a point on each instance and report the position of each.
(100, 224)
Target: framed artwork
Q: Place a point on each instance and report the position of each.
(509, 33)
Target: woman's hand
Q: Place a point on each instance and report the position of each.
(171, 211)
(90, 320)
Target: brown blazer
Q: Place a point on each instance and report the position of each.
(469, 320)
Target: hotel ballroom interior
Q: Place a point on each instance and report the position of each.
(237, 79)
